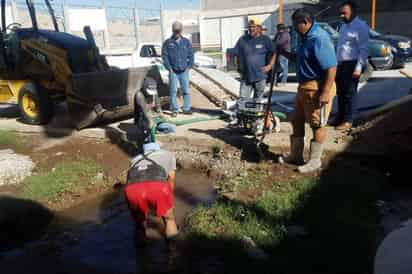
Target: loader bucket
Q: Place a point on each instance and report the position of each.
(99, 97)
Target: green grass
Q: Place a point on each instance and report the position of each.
(338, 210)
(10, 139)
(247, 179)
(65, 177)
(262, 220)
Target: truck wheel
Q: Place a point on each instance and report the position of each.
(36, 107)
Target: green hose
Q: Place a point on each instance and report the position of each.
(158, 120)
(282, 116)
(195, 120)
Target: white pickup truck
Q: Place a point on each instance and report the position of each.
(149, 54)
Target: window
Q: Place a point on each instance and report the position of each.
(150, 51)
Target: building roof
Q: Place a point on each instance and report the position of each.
(211, 9)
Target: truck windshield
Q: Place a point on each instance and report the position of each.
(150, 51)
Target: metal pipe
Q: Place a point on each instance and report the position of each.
(373, 15)
(280, 17)
(32, 12)
(3, 16)
(51, 11)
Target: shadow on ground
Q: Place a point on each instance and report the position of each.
(338, 219)
(21, 221)
(239, 139)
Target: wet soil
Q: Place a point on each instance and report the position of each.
(97, 236)
(110, 156)
(92, 231)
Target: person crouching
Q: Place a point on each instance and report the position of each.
(150, 185)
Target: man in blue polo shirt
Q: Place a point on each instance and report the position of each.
(255, 53)
(316, 71)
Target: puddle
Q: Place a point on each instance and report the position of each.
(101, 230)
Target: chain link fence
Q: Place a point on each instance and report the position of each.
(124, 28)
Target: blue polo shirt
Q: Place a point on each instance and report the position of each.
(253, 54)
(315, 54)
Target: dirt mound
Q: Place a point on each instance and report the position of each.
(391, 133)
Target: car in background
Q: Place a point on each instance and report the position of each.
(204, 61)
(401, 45)
(380, 52)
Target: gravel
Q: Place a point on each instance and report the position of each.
(14, 168)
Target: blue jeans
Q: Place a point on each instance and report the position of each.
(253, 90)
(283, 69)
(183, 79)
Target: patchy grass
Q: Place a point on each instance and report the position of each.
(262, 220)
(337, 210)
(65, 177)
(9, 139)
(247, 179)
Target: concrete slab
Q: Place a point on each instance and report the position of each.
(224, 79)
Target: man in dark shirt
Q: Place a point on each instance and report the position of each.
(253, 50)
(282, 42)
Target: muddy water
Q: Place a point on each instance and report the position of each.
(106, 242)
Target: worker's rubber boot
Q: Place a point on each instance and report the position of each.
(315, 162)
(297, 145)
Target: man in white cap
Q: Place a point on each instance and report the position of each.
(255, 59)
(255, 55)
(178, 58)
(150, 185)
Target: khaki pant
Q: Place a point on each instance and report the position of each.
(307, 104)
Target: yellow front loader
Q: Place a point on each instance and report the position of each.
(39, 68)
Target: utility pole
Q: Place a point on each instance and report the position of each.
(136, 20)
(106, 33)
(162, 27)
(373, 15)
(280, 17)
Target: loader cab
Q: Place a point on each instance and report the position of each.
(45, 40)
(13, 32)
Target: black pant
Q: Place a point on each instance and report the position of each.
(347, 90)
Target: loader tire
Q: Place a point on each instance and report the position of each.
(36, 107)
